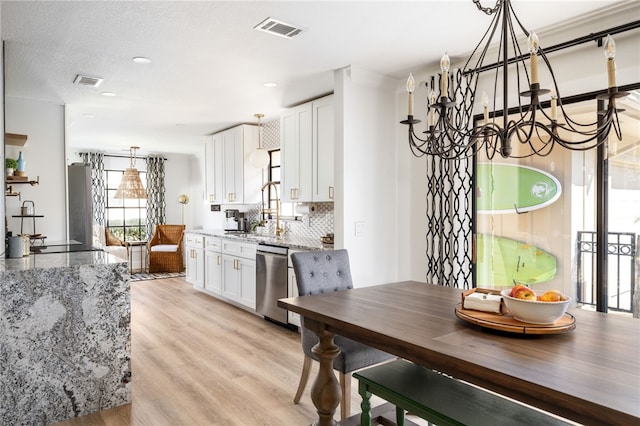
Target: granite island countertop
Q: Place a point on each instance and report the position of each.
(290, 241)
(65, 336)
(57, 260)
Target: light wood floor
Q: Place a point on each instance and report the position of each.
(199, 361)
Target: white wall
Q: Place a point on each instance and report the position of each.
(181, 177)
(366, 175)
(43, 123)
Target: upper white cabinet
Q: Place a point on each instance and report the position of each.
(214, 169)
(230, 178)
(307, 141)
(323, 143)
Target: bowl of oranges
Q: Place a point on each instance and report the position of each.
(526, 306)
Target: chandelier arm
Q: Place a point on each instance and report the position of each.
(616, 124)
(488, 37)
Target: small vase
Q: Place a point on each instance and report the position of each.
(21, 163)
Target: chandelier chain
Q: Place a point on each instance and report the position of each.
(488, 10)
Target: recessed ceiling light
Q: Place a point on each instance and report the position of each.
(88, 115)
(108, 94)
(270, 84)
(141, 60)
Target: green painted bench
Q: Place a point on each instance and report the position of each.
(440, 399)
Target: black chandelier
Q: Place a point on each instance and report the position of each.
(451, 132)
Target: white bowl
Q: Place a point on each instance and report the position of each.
(534, 311)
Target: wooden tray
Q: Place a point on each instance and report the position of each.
(505, 322)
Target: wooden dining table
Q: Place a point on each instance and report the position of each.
(590, 374)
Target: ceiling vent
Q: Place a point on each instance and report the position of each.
(279, 28)
(87, 81)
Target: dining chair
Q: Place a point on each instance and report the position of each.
(322, 272)
(165, 249)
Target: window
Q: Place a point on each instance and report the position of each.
(286, 209)
(126, 218)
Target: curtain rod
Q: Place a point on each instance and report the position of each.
(597, 37)
(128, 156)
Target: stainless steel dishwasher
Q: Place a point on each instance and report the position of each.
(271, 281)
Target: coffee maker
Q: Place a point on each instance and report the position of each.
(238, 217)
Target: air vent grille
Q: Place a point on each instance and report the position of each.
(279, 28)
(84, 80)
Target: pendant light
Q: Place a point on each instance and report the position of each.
(260, 157)
(131, 186)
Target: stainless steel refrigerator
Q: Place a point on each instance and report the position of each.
(80, 203)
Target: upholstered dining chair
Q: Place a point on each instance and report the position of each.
(165, 249)
(322, 272)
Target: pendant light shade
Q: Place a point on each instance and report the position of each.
(131, 186)
(260, 157)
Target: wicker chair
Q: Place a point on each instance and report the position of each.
(165, 249)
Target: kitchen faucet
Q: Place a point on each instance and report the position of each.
(279, 230)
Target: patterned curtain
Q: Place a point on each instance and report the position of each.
(449, 222)
(99, 191)
(156, 205)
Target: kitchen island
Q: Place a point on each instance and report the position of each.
(65, 337)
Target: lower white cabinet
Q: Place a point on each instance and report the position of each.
(239, 272)
(194, 246)
(213, 265)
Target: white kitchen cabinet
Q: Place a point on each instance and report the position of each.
(323, 147)
(239, 272)
(194, 246)
(296, 134)
(214, 169)
(230, 178)
(307, 143)
(213, 265)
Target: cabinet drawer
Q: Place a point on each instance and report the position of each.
(213, 244)
(246, 250)
(194, 240)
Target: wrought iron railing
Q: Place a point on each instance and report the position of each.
(621, 260)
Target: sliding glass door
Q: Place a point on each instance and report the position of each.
(537, 218)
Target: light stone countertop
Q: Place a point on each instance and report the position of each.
(58, 260)
(290, 241)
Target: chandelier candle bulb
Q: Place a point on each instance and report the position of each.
(444, 67)
(411, 84)
(610, 53)
(533, 50)
(554, 107)
(432, 114)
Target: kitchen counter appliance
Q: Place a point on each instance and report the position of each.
(271, 281)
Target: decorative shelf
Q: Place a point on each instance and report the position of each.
(21, 179)
(15, 139)
(13, 180)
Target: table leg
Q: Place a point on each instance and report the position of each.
(325, 392)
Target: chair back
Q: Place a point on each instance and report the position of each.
(168, 234)
(322, 271)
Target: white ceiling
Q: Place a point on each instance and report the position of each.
(208, 64)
